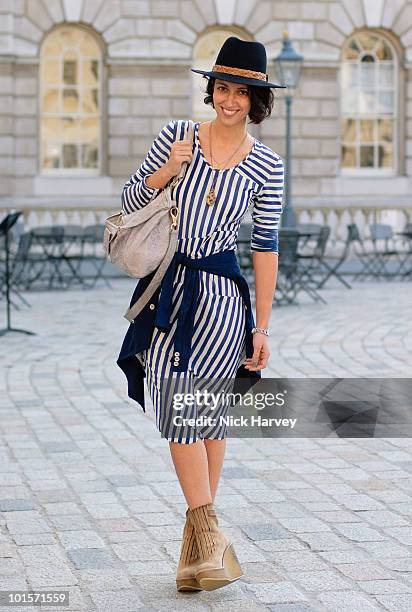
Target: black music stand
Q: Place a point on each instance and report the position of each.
(5, 227)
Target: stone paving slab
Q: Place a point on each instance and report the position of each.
(89, 500)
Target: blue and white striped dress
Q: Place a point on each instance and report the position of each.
(218, 344)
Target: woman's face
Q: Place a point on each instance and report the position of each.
(231, 102)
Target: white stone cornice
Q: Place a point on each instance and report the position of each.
(72, 9)
(373, 12)
(225, 11)
(391, 11)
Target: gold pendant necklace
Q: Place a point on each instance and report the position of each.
(211, 196)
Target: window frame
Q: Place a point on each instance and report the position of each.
(368, 172)
(68, 172)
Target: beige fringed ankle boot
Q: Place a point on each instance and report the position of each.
(217, 564)
(185, 577)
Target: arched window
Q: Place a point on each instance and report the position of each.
(70, 102)
(368, 105)
(204, 55)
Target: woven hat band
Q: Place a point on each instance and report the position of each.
(249, 74)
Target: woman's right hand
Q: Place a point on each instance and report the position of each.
(181, 152)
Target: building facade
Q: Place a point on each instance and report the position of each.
(85, 86)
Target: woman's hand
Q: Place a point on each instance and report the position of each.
(181, 152)
(260, 353)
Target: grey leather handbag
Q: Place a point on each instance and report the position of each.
(146, 239)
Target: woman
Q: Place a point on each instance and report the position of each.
(204, 331)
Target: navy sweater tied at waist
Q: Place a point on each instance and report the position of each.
(157, 313)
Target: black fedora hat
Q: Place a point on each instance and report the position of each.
(241, 61)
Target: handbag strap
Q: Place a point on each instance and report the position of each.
(190, 133)
(132, 312)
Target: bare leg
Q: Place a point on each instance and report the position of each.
(192, 469)
(215, 456)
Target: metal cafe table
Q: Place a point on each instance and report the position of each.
(57, 244)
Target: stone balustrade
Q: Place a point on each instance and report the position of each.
(336, 216)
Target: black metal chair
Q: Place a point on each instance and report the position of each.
(288, 280)
(313, 228)
(308, 235)
(71, 254)
(7, 285)
(92, 241)
(331, 262)
(28, 263)
(406, 254)
(384, 251)
(295, 276)
(363, 254)
(49, 242)
(6, 269)
(310, 265)
(61, 248)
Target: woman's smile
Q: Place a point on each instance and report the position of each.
(228, 112)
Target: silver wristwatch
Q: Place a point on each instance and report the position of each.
(255, 330)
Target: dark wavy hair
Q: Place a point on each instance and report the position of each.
(261, 100)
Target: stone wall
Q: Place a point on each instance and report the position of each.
(141, 100)
(148, 52)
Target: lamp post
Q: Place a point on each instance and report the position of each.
(287, 65)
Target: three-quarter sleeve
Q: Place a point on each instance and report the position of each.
(136, 193)
(266, 211)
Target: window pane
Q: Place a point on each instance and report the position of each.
(386, 75)
(385, 102)
(89, 129)
(350, 102)
(51, 154)
(90, 73)
(70, 156)
(366, 102)
(70, 101)
(70, 36)
(70, 72)
(383, 51)
(51, 101)
(349, 130)
(89, 47)
(51, 128)
(52, 46)
(385, 130)
(385, 156)
(71, 129)
(349, 75)
(51, 72)
(366, 40)
(349, 157)
(89, 155)
(366, 130)
(366, 157)
(351, 51)
(90, 101)
(367, 75)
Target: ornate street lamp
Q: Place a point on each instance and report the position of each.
(288, 65)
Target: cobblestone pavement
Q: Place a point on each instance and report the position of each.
(90, 502)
